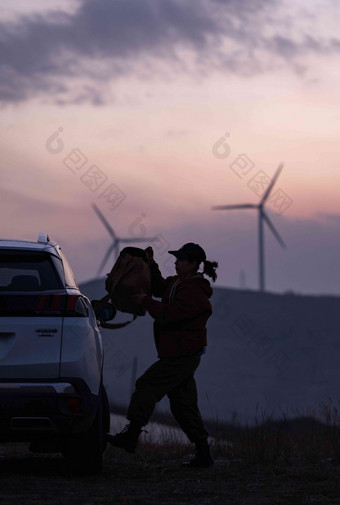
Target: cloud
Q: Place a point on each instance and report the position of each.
(88, 94)
(38, 52)
(45, 54)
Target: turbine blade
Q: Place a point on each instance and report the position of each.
(273, 230)
(241, 206)
(274, 179)
(106, 257)
(138, 239)
(104, 221)
(116, 248)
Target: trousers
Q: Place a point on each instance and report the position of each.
(173, 377)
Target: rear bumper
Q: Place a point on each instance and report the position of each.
(32, 408)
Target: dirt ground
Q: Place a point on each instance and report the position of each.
(154, 475)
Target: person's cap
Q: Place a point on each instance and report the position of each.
(191, 252)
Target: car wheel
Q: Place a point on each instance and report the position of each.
(106, 415)
(84, 453)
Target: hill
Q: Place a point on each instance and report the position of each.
(269, 355)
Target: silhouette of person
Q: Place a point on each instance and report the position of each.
(181, 337)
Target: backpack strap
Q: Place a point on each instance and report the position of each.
(115, 326)
(173, 289)
(111, 326)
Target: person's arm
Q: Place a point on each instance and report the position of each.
(185, 306)
(158, 283)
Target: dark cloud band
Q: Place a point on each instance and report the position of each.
(39, 54)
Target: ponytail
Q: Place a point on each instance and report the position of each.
(210, 269)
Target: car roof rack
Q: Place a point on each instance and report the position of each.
(43, 238)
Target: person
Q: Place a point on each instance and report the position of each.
(181, 338)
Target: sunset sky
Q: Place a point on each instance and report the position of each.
(123, 103)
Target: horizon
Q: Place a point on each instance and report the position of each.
(245, 290)
(156, 112)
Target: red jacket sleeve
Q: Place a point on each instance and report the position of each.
(185, 306)
(158, 283)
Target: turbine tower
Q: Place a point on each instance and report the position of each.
(262, 216)
(116, 241)
(242, 280)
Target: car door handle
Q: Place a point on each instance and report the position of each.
(6, 334)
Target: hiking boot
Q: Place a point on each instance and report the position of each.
(202, 457)
(126, 439)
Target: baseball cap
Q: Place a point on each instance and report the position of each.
(190, 251)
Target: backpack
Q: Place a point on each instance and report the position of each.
(129, 275)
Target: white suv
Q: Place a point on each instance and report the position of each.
(51, 357)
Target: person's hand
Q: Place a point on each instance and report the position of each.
(138, 298)
(149, 254)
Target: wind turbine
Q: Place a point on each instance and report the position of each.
(262, 216)
(114, 247)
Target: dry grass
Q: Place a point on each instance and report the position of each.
(271, 463)
(154, 476)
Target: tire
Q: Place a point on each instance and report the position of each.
(84, 453)
(106, 416)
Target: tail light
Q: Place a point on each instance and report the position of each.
(74, 405)
(63, 305)
(44, 305)
(76, 306)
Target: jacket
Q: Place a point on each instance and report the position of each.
(181, 315)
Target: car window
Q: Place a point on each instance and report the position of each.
(69, 277)
(27, 271)
(57, 261)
